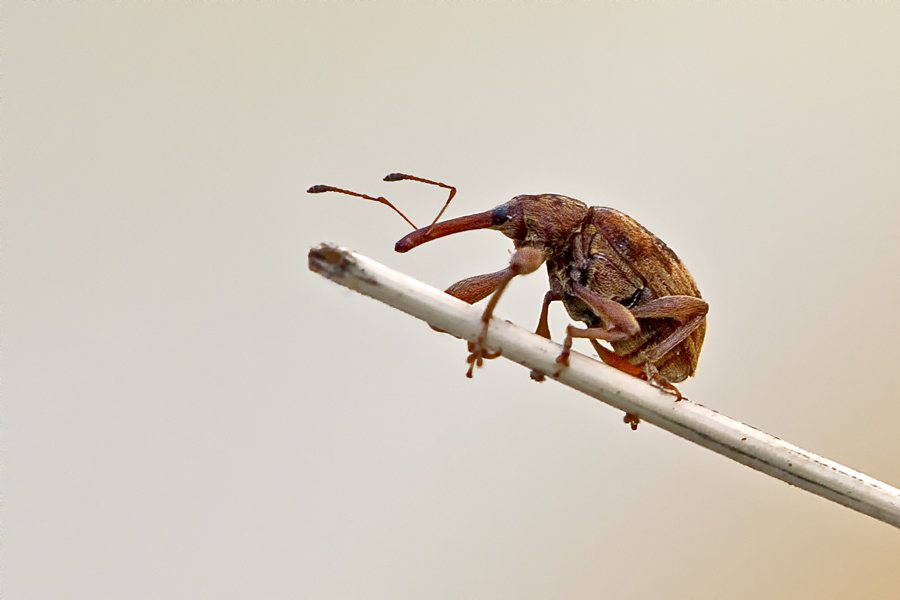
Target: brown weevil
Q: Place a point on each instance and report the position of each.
(625, 284)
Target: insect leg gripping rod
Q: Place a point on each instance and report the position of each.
(686, 419)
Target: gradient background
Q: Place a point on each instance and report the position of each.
(188, 412)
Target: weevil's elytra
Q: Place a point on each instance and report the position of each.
(625, 284)
(617, 255)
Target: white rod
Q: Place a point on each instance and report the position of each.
(687, 419)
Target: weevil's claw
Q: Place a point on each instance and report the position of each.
(537, 376)
(471, 359)
(478, 353)
(660, 382)
(563, 358)
(632, 420)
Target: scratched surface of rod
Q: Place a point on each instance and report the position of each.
(689, 420)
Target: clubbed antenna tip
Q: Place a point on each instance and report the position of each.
(318, 189)
(397, 177)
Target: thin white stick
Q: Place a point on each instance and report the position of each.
(689, 420)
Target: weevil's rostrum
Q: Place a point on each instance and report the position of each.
(625, 284)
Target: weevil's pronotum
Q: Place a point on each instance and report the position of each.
(625, 284)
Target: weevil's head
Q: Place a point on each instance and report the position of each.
(544, 221)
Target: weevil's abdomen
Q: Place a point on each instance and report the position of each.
(618, 258)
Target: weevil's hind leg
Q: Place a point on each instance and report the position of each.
(615, 361)
(543, 327)
(523, 261)
(618, 322)
(689, 312)
(651, 374)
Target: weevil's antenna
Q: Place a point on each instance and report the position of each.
(318, 189)
(402, 176)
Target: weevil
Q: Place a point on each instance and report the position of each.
(624, 283)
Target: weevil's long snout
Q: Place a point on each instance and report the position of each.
(439, 230)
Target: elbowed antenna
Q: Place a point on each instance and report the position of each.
(318, 189)
(402, 176)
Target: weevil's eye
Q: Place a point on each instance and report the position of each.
(499, 216)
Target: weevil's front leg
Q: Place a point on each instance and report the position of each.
(618, 321)
(523, 261)
(473, 289)
(543, 327)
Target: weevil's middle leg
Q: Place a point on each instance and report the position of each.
(543, 327)
(618, 322)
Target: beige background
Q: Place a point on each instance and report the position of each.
(189, 413)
